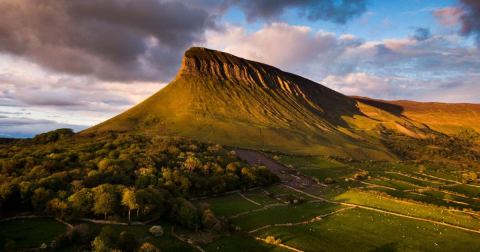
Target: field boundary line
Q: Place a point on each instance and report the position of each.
(381, 186)
(246, 198)
(394, 213)
(435, 177)
(412, 177)
(178, 237)
(280, 245)
(256, 210)
(290, 224)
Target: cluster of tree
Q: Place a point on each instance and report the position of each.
(82, 237)
(120, 176)
(462, 147)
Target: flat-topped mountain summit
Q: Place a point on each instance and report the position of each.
(223, 98)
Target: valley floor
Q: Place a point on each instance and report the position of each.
(393, 208)
(323, 205)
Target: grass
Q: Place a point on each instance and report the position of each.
(230, 205)
(284, 214)
(409, 208)
(30, 233)
(164, 243)
(464, 189)
(411, 180)
(363, 230)
(318, 167)
(397, 184)
(240, 243)
(261, 197)
(280, 189)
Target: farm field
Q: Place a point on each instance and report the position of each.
(385, 210)
(26, 234)
(362, 230)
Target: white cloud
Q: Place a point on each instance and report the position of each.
(400, 68)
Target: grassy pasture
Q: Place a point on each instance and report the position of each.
(363, 230)
(284, 214)
(282, 190)
(464, 189)
(397, 184)
(30, 233)
(240, 243)
(260, 197)
(165, 242)
(230, 204)
(410, 180)
(318, 167)
(409, 208)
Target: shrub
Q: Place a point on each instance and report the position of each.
(272, 240)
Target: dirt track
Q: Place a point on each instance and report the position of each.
(288, 176)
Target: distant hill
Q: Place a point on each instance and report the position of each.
(222, 98)
(448, 118)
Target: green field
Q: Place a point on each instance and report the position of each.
(397, 184)
(240, 243)
(363, 230)
(260, 197)
(409, 208)
(318, 167)
(284, 214)
(230, 205)
(30, 233)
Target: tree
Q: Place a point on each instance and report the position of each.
(57, 207)
(40, 198)
(81, 202)
(127, 241)
(105, 199)
(192, 163)
(187, 214)
(104, 242)
(148, 247)
(129, 200)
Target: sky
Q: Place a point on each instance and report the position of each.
(75, 63)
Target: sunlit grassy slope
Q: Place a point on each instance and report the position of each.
(222, 98)
(448, 118)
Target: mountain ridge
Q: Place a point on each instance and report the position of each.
(223, 98)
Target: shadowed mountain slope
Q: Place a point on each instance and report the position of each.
(219, 97)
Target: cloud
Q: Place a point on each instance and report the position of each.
(404, 68)
(422, 34)
(108, 39)
(471, 18)
(360, 83)
(20, 127)
(448, 16)
(336, 11)
(300, 49)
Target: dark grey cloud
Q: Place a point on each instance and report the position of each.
(471, 18)
(133, 40)
(422, 33)
(109, 39)
(336, 11)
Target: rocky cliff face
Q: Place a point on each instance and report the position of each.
(206, 63)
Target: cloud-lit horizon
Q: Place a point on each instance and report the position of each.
(73, 63)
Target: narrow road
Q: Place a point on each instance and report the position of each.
(287, 175)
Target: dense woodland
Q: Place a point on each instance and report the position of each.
(120, 177)
(462, 148)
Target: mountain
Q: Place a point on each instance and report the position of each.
(222, 98)
(447, 118)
